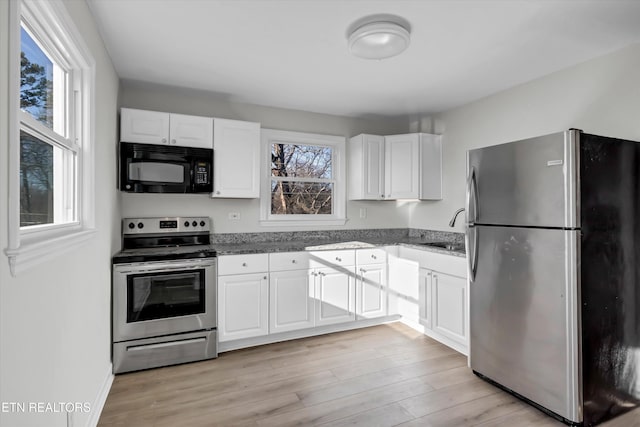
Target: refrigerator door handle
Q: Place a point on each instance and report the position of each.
(472, 197)
(472, 257)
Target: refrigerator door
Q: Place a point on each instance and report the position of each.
(523, 315)
(530, 182)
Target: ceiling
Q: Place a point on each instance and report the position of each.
(293, 53)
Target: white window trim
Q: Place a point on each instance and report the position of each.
(36, 245)
(338, 143)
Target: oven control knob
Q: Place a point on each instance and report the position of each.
(194, 223)
(132, 225)
(186, 223)
(202, 223)
(140, 225)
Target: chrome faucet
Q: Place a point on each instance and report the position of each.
(455, 215)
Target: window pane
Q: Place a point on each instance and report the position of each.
(36, 81)
(301, 198)
(36, 181)
(301, 161)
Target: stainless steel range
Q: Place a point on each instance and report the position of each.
(164, 293)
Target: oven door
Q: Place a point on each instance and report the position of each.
(162, 298)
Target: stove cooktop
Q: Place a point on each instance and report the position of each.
(164, 254)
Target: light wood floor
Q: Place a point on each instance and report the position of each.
(379, 376)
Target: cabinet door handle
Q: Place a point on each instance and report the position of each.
(321, 273)
(293, 261)
(217, 192)
(265, 277)
(362, 270)
(173, 141)
(382, 196)
(164, 140)
(244, 264)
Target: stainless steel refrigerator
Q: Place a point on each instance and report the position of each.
(553, 243)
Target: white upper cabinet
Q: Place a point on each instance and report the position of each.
(402, 162)
(407, 166)
(191, 131)
(236, 159)
(154, 127)
(366, 167)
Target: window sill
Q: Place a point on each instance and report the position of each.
(35, 251)
(301, 222)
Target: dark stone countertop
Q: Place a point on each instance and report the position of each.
(326, 245)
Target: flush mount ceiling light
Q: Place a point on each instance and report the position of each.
(379, 39)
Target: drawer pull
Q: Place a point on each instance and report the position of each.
(373, 256)
(244, 264)
(293, 261)
(338, 259)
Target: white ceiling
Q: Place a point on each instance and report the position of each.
(293, 53)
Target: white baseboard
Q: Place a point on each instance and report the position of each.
(302, 333)
(98, 404)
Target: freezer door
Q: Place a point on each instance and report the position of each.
(531, 182)
(523, 314)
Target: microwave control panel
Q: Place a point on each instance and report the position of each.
(202, 173)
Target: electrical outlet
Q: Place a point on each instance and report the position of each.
(234, 216)
(363, 212)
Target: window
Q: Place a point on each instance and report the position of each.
(51, 164)
(47, 148)
(304, 179)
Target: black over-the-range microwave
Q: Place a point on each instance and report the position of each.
(150, 168)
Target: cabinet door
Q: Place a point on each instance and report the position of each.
(371, 291)
(403, 288)
(335, 295)
(402, 166)
(236, 159)
(373, 165)
(191, 131)
(291, 300)
(146, 127)
(449, 307)
(425, 297)
(243, 306)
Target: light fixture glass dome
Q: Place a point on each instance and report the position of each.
(379, 40)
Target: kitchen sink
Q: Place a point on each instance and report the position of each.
(450, 246)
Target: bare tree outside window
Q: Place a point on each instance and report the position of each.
(36, 155)
(302, 180)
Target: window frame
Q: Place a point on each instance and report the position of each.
(338, 145)
(53, 27)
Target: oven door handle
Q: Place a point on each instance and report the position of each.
(165, 344)
(175, 267)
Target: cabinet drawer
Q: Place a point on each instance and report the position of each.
(285, 261)
(321, 259)
(241, 264)
(371, 256)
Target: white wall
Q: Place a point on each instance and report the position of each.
(186, 101)
(601, 96)
(55, 318)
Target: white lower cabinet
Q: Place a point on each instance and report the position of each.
(425, 295)
(403, 288)
(309, 289)
(443, 298)
(243, 306)
(291, 299)
(449, 301)
(243, 296)
(335, 292)
(371, 291)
